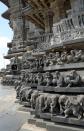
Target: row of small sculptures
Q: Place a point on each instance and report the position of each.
(56, 79)
(54, 58)
(37, 63)
(54, 104)
(65, 57)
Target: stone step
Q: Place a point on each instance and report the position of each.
(31, 127)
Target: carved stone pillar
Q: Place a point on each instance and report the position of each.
(16, 22)
(77, 7)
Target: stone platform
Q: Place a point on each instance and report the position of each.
(61, 89)
(62, 119)
(65, 66)
(41, 125)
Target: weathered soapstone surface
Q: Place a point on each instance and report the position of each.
(61, 90)
(51, 126)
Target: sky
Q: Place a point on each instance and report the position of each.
(6, 35)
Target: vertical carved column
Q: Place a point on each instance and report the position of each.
(77, 6)
(16, 23)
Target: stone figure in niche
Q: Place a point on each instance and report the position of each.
(34, 96)
(73, 79)
(58, 79)
(48, 78)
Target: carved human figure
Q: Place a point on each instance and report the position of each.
(73, 79)
(49, 78)
(58, 79)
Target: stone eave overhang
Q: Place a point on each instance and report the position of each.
(9, 56)
(6, 14)
(5, 2)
